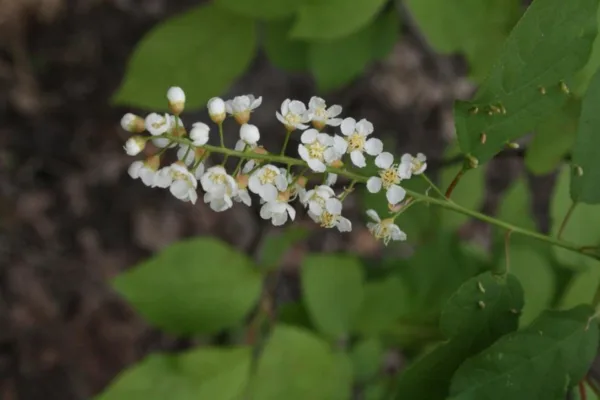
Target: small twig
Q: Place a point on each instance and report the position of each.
(454, 183)
(566, 219)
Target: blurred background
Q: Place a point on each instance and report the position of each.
(71, 218)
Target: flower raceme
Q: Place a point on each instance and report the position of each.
(276, 187)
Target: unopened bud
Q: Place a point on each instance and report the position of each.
(249, 133)
(216, 110)
(135, 145)
(199, 133)
(471, 162)
(132, 123)
(176, 98)
(564, 88)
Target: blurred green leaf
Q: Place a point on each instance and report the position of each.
(581, 289)
(583, 77)
(384, 302)
(207, 373)
(535, 273)
(553, 139)
(202, 50)
(515, 207)
(367, 357)
(476, 27)
(261, 9)
(195, 286)
(583, 227)
(333, 291)
(277, 245)
(297, 365)
(539, 362)
(333, 19)
(550, 43)
(295, 313)
(585, 188)
(283, 51)
(385, 31)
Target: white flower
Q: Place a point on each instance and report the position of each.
(389, 178)
(277, 211)
(356, 141)
(220, 188)
(321, 115)
(186, 152)
(267, 181)
(316, 149)
(331, 179)
(243, 196)
(158, 125)
(294, 115)
(384, 229)
(199, 133)
(315, 198)
(241, 107)
(176, 97)
(132, 123)
(199, 171)
(410, 165)
(331, 217)
(216, 109)
(142, 170)
(181, 182)
(134, 145)
(249, 134)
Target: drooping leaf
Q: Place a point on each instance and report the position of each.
(384, 302)
(206, 373)
(203, 50)
(261, 9)
(333, 19)
(283, 51)
(477, 28)
(483, 309)
(585, 187)
(297, 365)
(583, 227)
(333, 291)
(548, 45)
(195, 286)
(276, 246)
(581, 289)
(367, 356)
(553, 139)
(539, 362)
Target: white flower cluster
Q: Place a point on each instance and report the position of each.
(276, 187)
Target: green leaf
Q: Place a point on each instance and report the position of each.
(294, 313)
(385, 32)
(582, 288)
(284, 52)
(195, 286)
(366, 356)
(515, 207)
(333, 19)
(533, 270)
(384, 302)
(553, 139)
(297, 365)
(202, 50)
(261, 9)
(277, 245)
(474, 318)
(332, 291)
(586, 151)
(477, 28)
(539, 362)
(550, 43)
(582, 228)
(207, 373)
(583, 77)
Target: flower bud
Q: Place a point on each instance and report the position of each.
(199, 133)
(176, 98)
(216, 109)
(249, 133)
(134, 145)
(132, 123)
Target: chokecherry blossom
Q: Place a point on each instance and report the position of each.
(199, 133)
(241, 107)
(276, 207)
(176, 97)
(132, 123)
(134, 145)
(389, 178)
(267, 181)
(322, 116)
(316, 149)
(356, 141)
(216, 109)
(315, 198)
(293, 115)
(187, 152)
(384, 229)
(249, 134)
(410, 165)
(181, 182)
(331, 216)
(144, 170)
(220, 188)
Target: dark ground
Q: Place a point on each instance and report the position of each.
(70, 217)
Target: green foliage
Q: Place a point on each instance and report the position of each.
(333, 19)
(585, 177)
(298, 365)
(539, 362)
(261, 9)
(202, 50)
(476, 28)
(284, 52)
(583, 77)
(553, 139)
(195, 286)
(276, 246)
(480, 311)
(332, 291)
(515, 207)
(550, 44)
(206, 373)
(581, 289)
(367, 357)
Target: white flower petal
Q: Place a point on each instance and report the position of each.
(364, 127)
(309, 136)
(269, 193)
(344, 224)
(316, 165)
(395, 194)
(373, 215)
(358, 159)
(340, 144)
(334, 111)
(333, 206)
(384, 160)
(134, 169)
(373, 146)
(374, 184)
(348, 126)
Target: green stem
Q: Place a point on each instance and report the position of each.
(433, 185)
(285, 142)
(566, 219)
(444, 203)
(454, 183)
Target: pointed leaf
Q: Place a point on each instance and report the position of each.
(261, 9)
(582, 288)
(283, 51)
